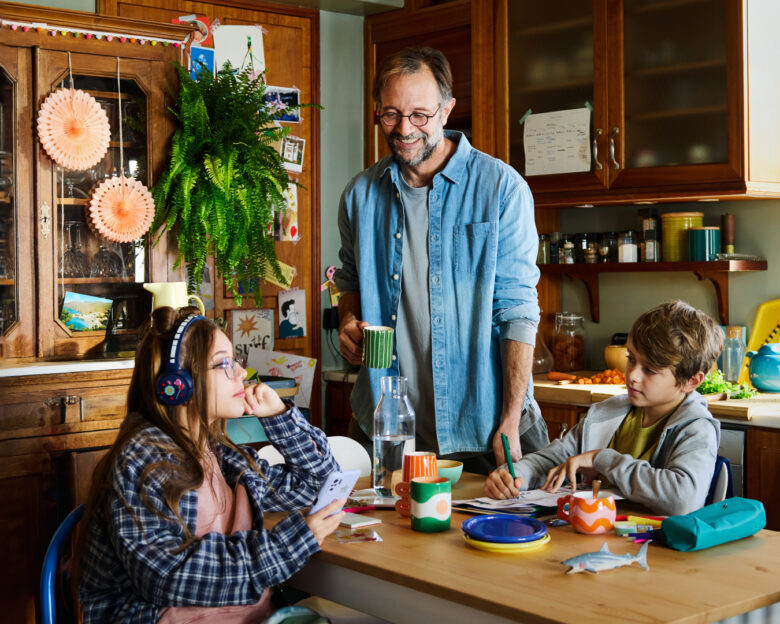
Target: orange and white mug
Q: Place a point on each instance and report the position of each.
(415, 464)
(587, 514)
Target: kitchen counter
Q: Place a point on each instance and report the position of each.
(24, 367)
(763, 410)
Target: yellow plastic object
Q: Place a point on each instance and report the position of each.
(766, 329)
(643, 520)
(507, 549)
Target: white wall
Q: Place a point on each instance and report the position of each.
(341, 144)
(624, 296)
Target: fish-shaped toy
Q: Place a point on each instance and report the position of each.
(605, 559)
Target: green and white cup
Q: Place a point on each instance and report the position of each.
(377, 346)
(431, 504)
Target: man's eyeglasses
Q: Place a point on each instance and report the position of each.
(392, 118)
(229, 364)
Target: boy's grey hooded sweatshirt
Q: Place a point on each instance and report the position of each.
(675, 480)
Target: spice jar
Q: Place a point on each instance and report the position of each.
(627, 247)
(555, 240)
(543, 255)
(569, 342)
(608, 247)
(568, 253)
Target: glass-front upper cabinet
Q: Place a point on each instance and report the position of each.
(667, 81)
(16, 305)
(92, 296)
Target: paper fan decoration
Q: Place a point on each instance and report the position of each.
(73, 129)
(121, 209)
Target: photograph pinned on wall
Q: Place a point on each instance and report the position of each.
(279, 364)
(287, 219)
(201, 60)
(202, 36)
(251, 328)
(281, 99)
(292, 313)
(241, 45)
(207, 288)
(292, 153)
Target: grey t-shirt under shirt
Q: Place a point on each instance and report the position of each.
(413, 329)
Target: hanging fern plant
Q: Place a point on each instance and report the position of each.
(225, 178)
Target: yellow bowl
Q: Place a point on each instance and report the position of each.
(615, 357)
(449, 469)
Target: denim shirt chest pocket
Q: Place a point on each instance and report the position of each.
(474, 244)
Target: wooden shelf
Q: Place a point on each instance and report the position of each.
(717, 272)
(678, 112)
(679, 68)
(96, 280)
(557, 85)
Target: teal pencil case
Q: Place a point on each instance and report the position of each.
(718, 523)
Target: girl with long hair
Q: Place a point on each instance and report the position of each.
(173, 527)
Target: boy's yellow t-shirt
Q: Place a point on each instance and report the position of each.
(631, 438)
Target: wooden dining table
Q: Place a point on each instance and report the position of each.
(436, 577)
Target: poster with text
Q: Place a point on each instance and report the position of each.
(292, 313)
(251, 328)
(280, 364)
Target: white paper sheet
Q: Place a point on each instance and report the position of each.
(281, 364)
(231, 44)
(557, 142)
(528, 500)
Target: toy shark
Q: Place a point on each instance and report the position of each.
(605, 559)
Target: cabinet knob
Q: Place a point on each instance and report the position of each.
(45, 220)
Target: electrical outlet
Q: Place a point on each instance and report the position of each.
(330, 318)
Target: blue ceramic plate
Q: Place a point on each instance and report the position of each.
(504, 529)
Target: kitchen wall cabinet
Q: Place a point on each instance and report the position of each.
(668, 82)
(47, 247)
(762, 471)
(291, 49)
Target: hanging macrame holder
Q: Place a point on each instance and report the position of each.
(73, 128)
(121, 209)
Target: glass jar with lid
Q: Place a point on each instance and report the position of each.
(569, 342)
(608, 247)
(628, 247)
(567, 256)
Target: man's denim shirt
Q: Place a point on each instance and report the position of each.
(482, 244)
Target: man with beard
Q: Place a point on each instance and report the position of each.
(439, 242)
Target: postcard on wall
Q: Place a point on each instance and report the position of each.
(292, 313)
(85, 312)
(241, 45)
(251, 328)
(280, 364)
(292, 153)
(201, 60)
(281, 99)
(202, 36)
(557, 142)
(288, 218)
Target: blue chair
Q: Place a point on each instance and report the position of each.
(722, 484)
(51, 563)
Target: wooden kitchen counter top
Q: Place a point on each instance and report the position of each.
(763, 410)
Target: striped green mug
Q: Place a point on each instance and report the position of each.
(431, 504)
(377, 346)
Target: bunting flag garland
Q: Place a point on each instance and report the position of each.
(90, 34)
(73, 129)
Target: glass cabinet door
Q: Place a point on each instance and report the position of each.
(675, 83)
(8, 263)
(99, 301)
(555, 63)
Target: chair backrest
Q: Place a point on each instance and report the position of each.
(270, 454)
(51, 562)
(350, 454)
(722, 484)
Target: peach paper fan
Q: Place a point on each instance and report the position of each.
(121, 209)
(73, 129)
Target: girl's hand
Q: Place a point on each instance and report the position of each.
(570, 468)
(322, 523)
(499, 485)
(262, 401)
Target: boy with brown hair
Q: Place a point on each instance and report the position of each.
(658, 443)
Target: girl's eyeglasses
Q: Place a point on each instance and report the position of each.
(229, 364)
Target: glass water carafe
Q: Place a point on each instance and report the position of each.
(393, 433)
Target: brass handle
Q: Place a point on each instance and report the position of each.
(615, 132)
(564, 429)
(599, 166)
(70, 399)
(45, 220)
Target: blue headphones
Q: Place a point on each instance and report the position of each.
(174, 385)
